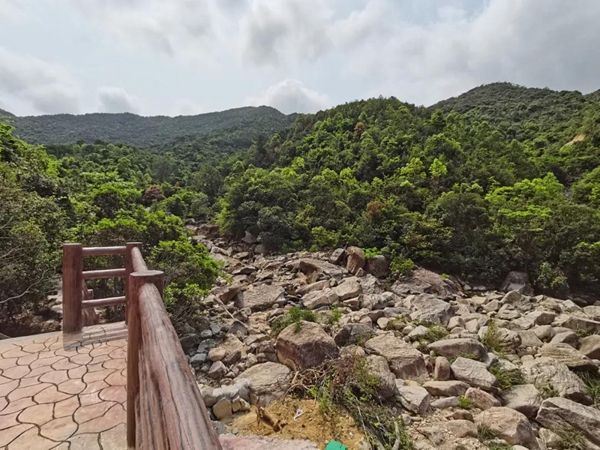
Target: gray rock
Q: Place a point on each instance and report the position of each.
(474, 373)
(567, 355)
(442, 370)
(354, 333)
(430, 309)
(446, 388)
(337, 256)
(590, 346)
(517, 281)
(217, 370)
(550, 375)
(405, 361)
(267, 382)
(544, 332)
(578, 323)
(461, 428)
(593, 312)
(510, 425)
(481, 399)
(317, 286)
(356, 259)
(307, 347)
(445, 402)
(260, 297)
(418, 333)
(556, 413)
(566, 337)
(348, 288)
(318, 299)
(379, 368)
(414, 398)
(508, 312)
(222, 409)
(453, 348)
(524, 398)
(529, 339)
(541, 317)
(377, 266)
(240, 405)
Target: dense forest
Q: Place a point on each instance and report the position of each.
(501, 178)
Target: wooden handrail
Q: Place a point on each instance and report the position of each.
(165, 409)
(102, 302)
(104, 273)
(104, 251)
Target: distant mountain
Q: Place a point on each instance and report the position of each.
(145, 132)
(4, 113)
(520, 111)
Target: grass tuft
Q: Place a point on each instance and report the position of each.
(507, 378)
(294, 316)
(464, 402)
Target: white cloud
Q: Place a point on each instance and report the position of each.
(117, 100)
(290, 96)
(42, 86)
(186, 107)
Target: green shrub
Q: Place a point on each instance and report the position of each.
(295, 315)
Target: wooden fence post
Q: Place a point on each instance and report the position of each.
(72, 288)
(136, 281)
(128, 270)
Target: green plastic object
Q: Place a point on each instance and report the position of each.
(333, 445)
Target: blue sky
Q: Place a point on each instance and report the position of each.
(191, 56)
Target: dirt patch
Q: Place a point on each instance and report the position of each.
(578, 138)
(277, 420)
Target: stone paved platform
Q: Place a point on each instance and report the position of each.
(64, 393)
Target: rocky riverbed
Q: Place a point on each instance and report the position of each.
(466, 369)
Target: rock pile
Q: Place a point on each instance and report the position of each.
(470, 368)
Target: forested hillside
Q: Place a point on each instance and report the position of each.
(146, 132)
(444, 190)
(502, 178)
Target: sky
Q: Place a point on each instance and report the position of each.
(182, 57)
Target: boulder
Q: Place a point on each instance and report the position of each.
(405, 361)
(378, 301)
(430, 309)
(510, 425)
(348, 288)
(474, 373)
(318, 299)
(217, 370)
(267, 382)
(442, 370)
(356, 259)
(559, 413)
(453, 348)
(570, 357)
(354, 333)
(517, 281)
(222, 409)
(380, 370)
(541, 317)
(338, 256)
(377, 266)
(231, 349)
(524, 398)
(461, 428)
(593, 312)
(590, 346)
(528, 339)
(481, 399)
(579, 323)
(317, 286)
(414, 398)
(306, 347)
(260, 297)
(313, 268)
(550, 375)
(566, 337)
(423, 281)
(446, 388)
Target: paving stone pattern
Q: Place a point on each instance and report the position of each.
(64, 393)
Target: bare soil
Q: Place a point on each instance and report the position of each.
(277, 420)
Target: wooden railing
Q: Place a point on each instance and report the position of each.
(165, 409)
